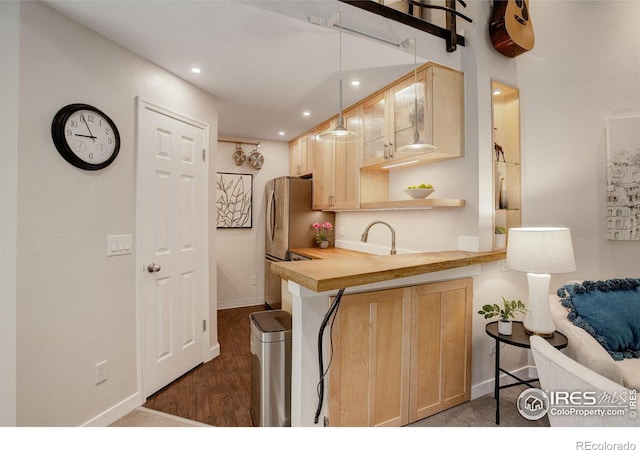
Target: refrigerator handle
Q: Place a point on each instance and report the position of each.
(271, 215)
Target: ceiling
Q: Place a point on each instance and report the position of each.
(262, 59)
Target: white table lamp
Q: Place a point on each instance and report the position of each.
(540, 251)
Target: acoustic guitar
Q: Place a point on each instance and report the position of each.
(510, 29)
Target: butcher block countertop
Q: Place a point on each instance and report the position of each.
(337, 268)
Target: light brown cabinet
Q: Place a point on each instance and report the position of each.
(400, 355)
(336, 181)
(355, 176)
(389, 124)
(390, 117)
(506, 156)
(301, 156)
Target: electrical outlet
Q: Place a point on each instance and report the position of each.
(102, 372)
(252, 280)
(340, 231)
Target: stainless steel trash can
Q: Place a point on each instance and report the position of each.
(271, 368)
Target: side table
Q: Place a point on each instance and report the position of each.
(518, 338)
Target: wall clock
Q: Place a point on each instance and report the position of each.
(85, 136)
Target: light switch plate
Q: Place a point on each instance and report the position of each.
(121, 244)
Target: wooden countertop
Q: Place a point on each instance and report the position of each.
(325, 253)
(340, 268)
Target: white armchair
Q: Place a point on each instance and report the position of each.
(559, 373)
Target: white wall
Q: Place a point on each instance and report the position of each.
(581, 73)
(241, 251)
(76, 307)
(9, 55)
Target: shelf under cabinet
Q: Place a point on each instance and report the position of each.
(427, 203)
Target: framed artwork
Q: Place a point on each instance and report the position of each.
(623, 179)
(234, 199)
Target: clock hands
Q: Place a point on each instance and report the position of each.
(84, 135)
(85, 122)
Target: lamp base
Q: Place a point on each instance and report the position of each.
(538, 318)
(535, 333)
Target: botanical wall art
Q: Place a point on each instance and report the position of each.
(234, 200)
(623, 179)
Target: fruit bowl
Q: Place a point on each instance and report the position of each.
(418, 193)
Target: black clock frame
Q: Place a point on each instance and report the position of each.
(57, 133)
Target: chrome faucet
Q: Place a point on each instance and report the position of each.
(365, 235)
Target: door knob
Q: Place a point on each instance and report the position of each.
(153, 267)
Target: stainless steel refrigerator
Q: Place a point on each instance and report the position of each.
(288, 225)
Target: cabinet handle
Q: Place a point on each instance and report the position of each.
(390, 150)
(386, 151)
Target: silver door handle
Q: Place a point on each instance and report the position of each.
(271, 217)
(153, 267)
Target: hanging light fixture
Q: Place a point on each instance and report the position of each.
(417, 146)
(340, 133)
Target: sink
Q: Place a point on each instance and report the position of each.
(370, 249)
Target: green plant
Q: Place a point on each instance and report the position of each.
(508, 311)
(501, 230)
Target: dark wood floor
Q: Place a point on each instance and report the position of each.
(218, 392)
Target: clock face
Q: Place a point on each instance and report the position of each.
(85, 136)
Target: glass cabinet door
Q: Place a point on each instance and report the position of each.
(405, 113)
(375, 130)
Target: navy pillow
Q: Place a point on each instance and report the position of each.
(609, 311)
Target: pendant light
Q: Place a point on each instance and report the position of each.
(340, 133)
(417, 146)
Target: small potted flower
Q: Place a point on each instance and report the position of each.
(507, 312)
(501, 237)
(322, 233)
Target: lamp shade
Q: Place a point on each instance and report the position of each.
(541, 250)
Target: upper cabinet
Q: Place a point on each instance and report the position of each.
(390, 119)
(336, 181)
(301, 156)
(506, 157)
(355, 175)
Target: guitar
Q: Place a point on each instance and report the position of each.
(510, 29)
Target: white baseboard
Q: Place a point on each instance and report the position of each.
(214, 352)
(486, 387)
(239, 303)
(112, 414)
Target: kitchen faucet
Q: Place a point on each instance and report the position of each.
(364, 236)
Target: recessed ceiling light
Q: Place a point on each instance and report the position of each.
(355, 83)
(281, 133)
(306, 113)
(196, 70)
(497, 91)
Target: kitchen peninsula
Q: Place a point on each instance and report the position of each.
(381, 295)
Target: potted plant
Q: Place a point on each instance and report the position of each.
(322, 233)
(501, 236)
(507, 312)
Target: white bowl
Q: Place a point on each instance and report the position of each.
(419, 193)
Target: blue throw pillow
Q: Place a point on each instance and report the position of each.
(609, 311)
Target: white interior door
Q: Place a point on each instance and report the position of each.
(172, 228)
